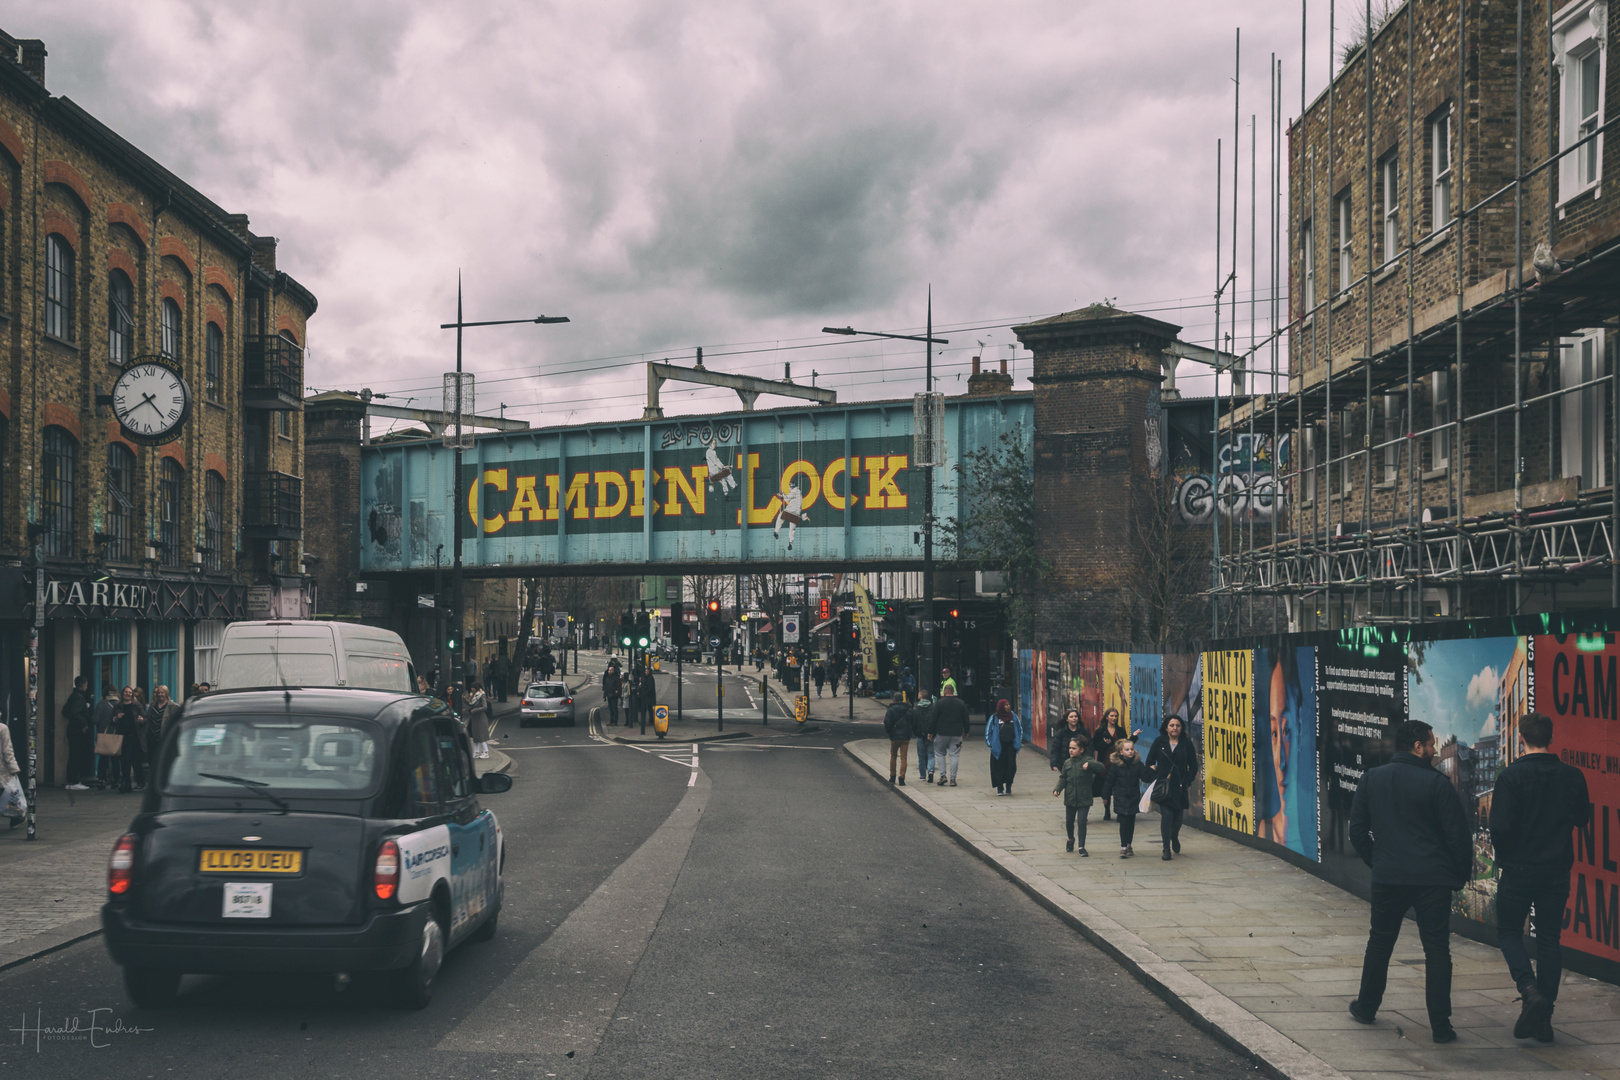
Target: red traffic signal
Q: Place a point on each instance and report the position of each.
(954, 613)
(825, 610)
(714, 607)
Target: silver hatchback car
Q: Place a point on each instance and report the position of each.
(547, 701)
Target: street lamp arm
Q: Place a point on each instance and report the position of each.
(850, 332)
(505, 322)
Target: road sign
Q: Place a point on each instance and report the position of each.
(661, 719)
(790, 629)
(801, 708)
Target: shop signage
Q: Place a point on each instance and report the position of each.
(105, 593)
(103, 596)
(261, 600)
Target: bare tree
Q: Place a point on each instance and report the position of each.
(1170, 570)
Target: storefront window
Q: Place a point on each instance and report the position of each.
(205, 639)
(109, 656)
(162, 658)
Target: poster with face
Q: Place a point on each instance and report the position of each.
(1229, 739)
(1116, 687)
(1575, 683)
(1463, 689)
(1285, 748)
(1183, 697)
(1360, 697)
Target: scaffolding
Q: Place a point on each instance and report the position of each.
(1476, 510)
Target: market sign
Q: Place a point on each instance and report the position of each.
(792, 487)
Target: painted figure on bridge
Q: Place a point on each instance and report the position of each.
(791, 511)
(719, 472)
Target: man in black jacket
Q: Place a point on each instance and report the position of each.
(81, 734)
(951, 721)
(1538, 802)
(1407, 823)
(897, 726)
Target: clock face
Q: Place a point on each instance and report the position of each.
(151, 401)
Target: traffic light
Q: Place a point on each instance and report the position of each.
(824, 610)
(848, 632)
(677, 623)
(627, 630)
(643, 630)
(713, 607)
(955, 613)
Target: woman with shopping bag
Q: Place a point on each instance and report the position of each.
(13, 804)
(1172, 763)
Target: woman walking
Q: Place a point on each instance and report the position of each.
(478, 720)
(1173, 762)
(1123, 788)
(1004, 737)
(1057, 740)
(12, 800)
(1109, 733)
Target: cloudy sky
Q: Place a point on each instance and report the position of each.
(732, 175)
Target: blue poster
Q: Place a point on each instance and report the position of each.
(1285, 748)
(1147, 696)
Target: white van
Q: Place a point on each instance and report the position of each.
(307, 653)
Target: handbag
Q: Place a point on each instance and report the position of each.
(109, 744)
(1148, 797)
(12, 801)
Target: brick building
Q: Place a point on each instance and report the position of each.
(1454, 289)
(138, 553)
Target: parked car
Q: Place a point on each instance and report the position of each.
(307, 652)
(546, 701)
(321, 831)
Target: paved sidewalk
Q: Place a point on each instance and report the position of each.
(1253, 948)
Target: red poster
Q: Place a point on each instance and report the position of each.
(1575, 682)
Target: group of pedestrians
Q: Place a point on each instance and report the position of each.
(1407, 824)
(938, 726)
(112, 740)
(1105, 765)
(635, 693)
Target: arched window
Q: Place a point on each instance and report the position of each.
(120, 317)
(58, 287)
(214, 520)
(214, 375)
(171, 489)
(173, 338)
(120, 503)
(60, 460)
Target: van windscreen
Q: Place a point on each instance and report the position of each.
(279, 668)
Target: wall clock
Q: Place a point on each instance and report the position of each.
(151, 401)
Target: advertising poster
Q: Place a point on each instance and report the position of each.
(863, 621)
(1054, 690)
(1116, 686)
(1034, 722)
(1086, 686)
(1575, 684)
(1360, 697)
(1183, 697)
(1147, 696)
(1463, 689)
(1285, 748)
(1229, 739)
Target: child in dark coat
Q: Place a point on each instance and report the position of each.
(1074, 784)
(1124, 787)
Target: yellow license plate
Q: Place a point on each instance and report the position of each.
(545, 716)
(250, 861)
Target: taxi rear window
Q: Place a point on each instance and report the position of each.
(311, 757)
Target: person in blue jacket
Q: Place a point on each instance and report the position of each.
(1003, 736)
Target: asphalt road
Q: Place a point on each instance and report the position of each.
(772, 912)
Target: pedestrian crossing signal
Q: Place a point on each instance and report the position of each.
(824, 612)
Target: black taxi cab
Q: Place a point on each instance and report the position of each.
(323, 831)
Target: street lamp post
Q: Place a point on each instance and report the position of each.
(929, 673)
(455, 476)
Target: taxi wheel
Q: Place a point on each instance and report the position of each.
(151, 988)
(416, 991)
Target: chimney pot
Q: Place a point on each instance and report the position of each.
(1004, 365)
(975, 365)
(33, 58)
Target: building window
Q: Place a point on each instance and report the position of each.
(1310, 464)
(109, 656)
(120, 317)
(1581, 100)
(120, 503)
(1307, 259)
(1584, 411)
(1440, 438)
(214, 520)
(215, 365)
(60, 460)
(173, 337)
(206, 637)
(1347, 456)
(171, 489)
(162, 656)
(58, 288)
(284, 424)
(1394, 433)
(1390, 183)
(1342, 242)
(1440, 169)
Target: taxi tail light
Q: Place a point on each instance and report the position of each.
(568, 701)
(121, 865)
(385, 876)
